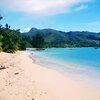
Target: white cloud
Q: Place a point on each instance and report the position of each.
(95, 23)
(42, 7)
(81, 7)
(27, 29)
(93, 26)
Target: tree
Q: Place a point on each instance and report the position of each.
(10, 39)
(7, 26)
(1, 17)
(1, 37)
(37, 41)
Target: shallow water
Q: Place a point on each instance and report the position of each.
(80, 63)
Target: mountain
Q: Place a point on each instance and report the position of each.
(67, 39)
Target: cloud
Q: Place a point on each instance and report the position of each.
(27, 29)
(93, 26)
(42, 7)
(95, 23)
(81, 7)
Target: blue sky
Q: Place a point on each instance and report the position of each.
(65, 15)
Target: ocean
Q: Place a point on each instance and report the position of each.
(81, 64)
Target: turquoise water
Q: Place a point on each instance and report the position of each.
(80, 63)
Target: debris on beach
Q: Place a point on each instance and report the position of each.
(2, 67)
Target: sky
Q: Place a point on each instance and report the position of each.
(64, 15)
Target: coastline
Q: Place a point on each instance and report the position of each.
(22, 79)
(68, 63)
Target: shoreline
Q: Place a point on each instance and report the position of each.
(76, 71)
(25, 80)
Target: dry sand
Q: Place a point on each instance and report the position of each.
(22, 79)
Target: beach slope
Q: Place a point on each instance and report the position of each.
(22, 79)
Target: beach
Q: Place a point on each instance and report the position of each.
(22, 79)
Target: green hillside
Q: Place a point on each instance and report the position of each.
(67, 39)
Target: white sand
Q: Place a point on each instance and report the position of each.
(25, 80)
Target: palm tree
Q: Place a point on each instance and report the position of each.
(1, 17)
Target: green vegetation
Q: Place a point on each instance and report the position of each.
(12, 40)
(53, 38)
(38, 41)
